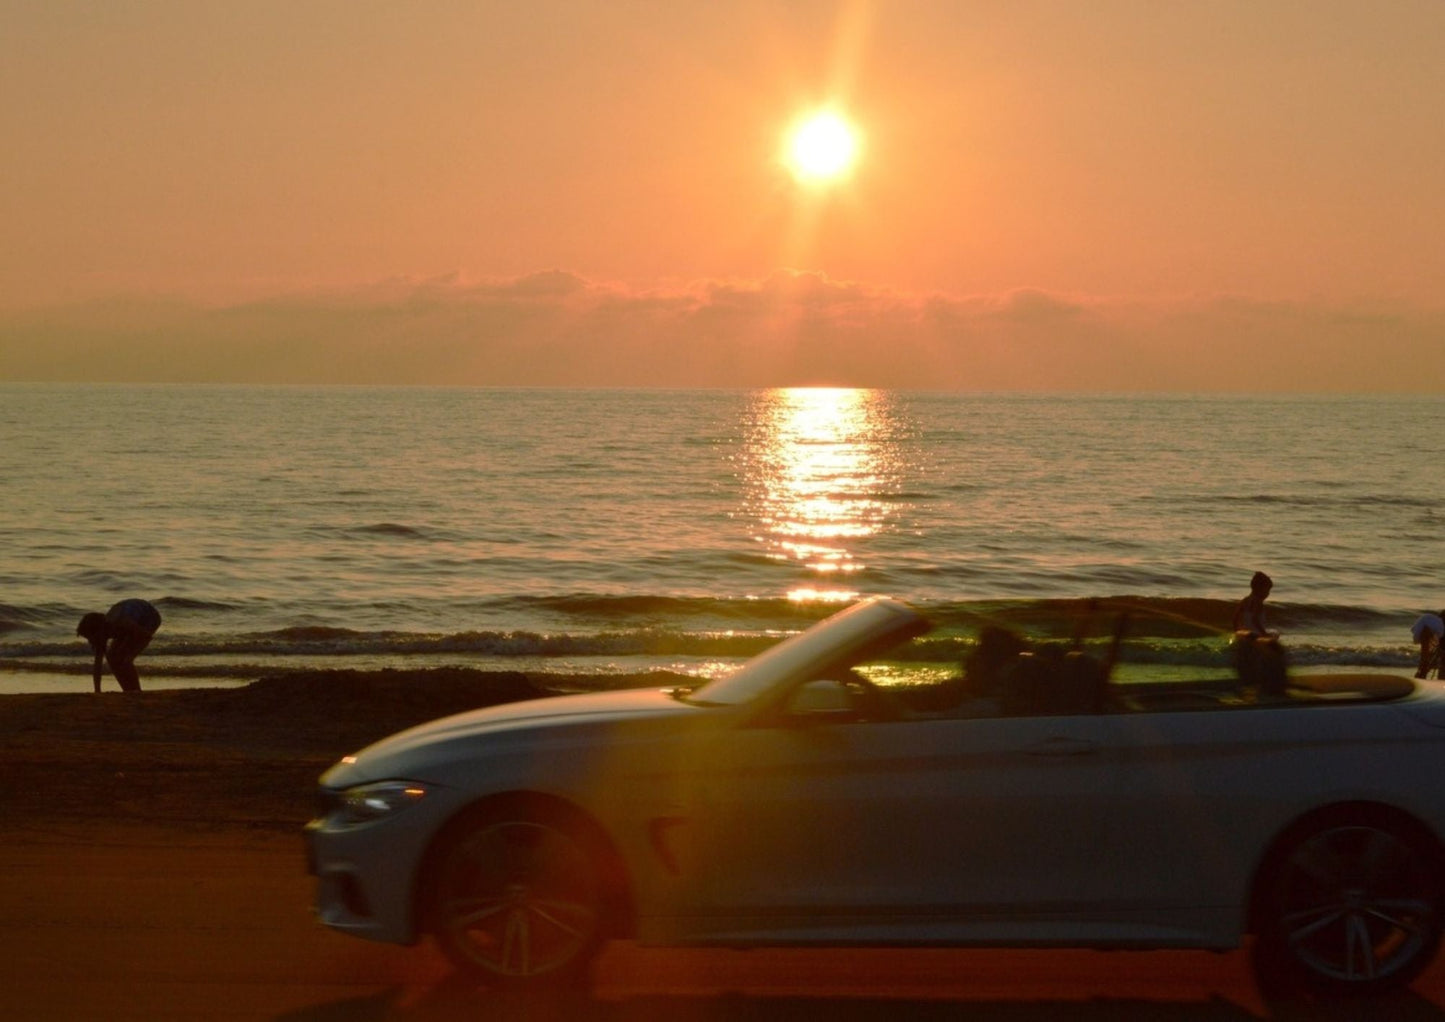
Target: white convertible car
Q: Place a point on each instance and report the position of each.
(795, 802)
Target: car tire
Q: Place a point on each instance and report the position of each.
(518, 898)
(1351, 906)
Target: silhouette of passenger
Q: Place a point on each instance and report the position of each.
(976, 692)
(986, 669)
(997, 648)
(1428, 630)
(119, 635)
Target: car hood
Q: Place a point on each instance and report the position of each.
(383, 759)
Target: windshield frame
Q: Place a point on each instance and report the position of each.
(862, 630)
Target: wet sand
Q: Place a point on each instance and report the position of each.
(151, 867)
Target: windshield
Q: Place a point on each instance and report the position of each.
(843, 638)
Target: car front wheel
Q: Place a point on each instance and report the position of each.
(518, 900)
(1352, 906)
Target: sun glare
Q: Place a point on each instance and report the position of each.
(822, 147)
(822, 470)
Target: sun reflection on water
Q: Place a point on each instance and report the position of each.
(823, 473)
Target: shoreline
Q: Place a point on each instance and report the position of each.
(24, 683)
(26, 679)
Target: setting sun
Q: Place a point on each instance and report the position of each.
(822, 147)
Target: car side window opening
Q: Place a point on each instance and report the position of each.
(1002, 677)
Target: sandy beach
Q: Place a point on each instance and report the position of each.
(245, 757)
(152, 868)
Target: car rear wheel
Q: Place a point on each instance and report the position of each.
(519, 900)
(1352, 906)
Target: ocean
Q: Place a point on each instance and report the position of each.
(601, 532)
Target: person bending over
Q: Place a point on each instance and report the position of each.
(1427, 631)
(118, 636)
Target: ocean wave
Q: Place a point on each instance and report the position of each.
(221, 654)
(95, 578)
(339, 642)
(1166, 616)
(390, 529)
(1311, 500)
(13, 618)
(681, 608)
(566, 617)
(312, 633)
(185, 603)
(1156, 616)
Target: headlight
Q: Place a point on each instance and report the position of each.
(368, 802)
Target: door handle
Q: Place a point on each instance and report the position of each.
(1060, 746)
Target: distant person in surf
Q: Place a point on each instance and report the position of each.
(118, 636)
(1427, 631)
(1258, 657)
(1249, 615)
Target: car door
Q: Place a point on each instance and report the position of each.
(967, 822)
(1181, 832)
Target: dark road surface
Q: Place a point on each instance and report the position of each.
(164, 925)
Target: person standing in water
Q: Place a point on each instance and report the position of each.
(119, 636)
(1249, 615)
(1257, 654)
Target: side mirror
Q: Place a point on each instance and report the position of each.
(823, 700)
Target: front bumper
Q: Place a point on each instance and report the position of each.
(367, 875)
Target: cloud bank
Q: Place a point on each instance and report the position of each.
(790, 329)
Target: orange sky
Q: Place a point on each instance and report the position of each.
(1114, 194)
